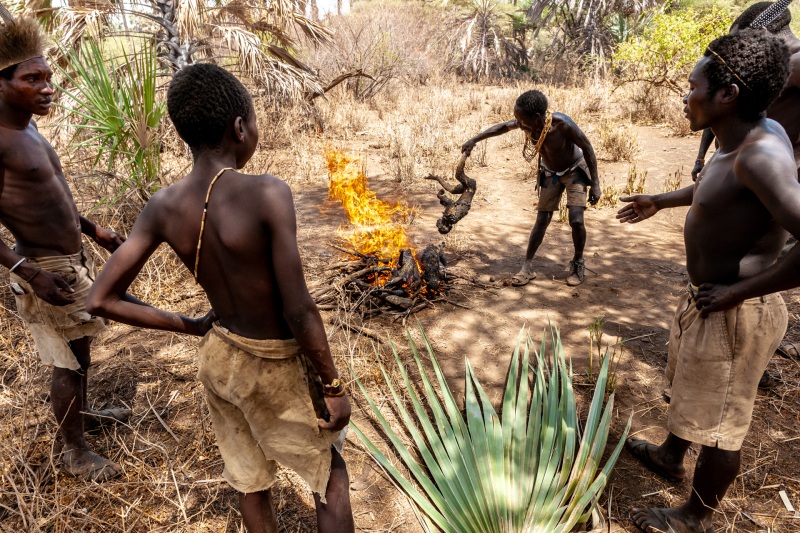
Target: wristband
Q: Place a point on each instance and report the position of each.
(38, 270)
(18, 263)
(699, 160)
(334, 390)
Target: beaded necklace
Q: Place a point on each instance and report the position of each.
(530, 152)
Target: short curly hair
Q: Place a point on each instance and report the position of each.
(755, 61)
(202, 100)
(532, 103)
(747, 16)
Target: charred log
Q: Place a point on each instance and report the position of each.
(455, 210)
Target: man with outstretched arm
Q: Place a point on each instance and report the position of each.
(731, 319)
(273, 391)
(50, 272)
(566, 163)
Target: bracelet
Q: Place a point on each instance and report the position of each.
(334, 390)
(38, 270)
(699, 160)
(18, 263)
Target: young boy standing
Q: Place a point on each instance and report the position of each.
(260, 360)
(731, 320)
(566, 162)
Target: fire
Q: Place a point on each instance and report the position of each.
(375, 226)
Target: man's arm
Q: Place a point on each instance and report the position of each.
(576, 135)
(491, 131)
(50, 287)
(769, 171)
(108, 297)
(705, 143)
(110, 240)
(299, 309)
(644, 206)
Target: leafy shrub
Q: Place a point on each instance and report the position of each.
(670, 46)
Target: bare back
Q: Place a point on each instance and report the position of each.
(249, 227)
(731, 232)
(36, 204)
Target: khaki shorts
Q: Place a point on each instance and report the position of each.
(53, 327)
(574, 182)
(261, 405)
(714, 365)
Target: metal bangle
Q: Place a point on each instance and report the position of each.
(18, 263)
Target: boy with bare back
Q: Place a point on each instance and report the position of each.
(731, 320)
(50, 272)
(262, 361)
(566, 163)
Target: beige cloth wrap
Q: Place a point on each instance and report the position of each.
(260, 398)
(714, 365)
(53, 327)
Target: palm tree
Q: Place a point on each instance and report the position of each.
(255, 37)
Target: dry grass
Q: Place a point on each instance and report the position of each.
(617, 142)
(636, 180)
(673, 182)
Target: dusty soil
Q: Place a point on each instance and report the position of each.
(635, 272)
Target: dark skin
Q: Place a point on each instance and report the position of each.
(785, 109)
(251, 270)
(741, 208)
(37, 207)
(562, 146)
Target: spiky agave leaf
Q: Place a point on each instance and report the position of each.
(529, 472)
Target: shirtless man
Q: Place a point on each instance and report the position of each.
(785, 109)
(731, 320)
(258, 361)
(51, 274)
(566, 162)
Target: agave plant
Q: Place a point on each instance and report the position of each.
(533, 471)
(113, 106)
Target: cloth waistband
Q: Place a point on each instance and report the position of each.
(55, 262)
(692, 289)
(569, 169)
(263, 348)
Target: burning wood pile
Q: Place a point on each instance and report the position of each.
(380, 272)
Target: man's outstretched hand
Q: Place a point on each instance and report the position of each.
(467, 147)
(110, 240)
(339, 409)
(641, 207)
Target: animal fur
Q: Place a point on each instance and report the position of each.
(20, 39)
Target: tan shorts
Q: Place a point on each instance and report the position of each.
(261, 405)
(53, 327)
(714, 365)
(573, 182)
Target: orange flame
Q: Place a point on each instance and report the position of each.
(375, 227)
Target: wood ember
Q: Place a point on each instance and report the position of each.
(367, 286)
(455, 210)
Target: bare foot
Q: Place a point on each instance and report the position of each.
(93, 418)
(646, 453)
(86, 464)
(654, 520)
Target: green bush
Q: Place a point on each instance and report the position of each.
(664, 54)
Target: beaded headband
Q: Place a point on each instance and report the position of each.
(733, 72)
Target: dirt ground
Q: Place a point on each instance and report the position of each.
(634, 275)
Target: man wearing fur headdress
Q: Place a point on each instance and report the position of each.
(50, 273)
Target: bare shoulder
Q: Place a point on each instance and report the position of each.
(267, 190)
(564, 122)
(766, 155)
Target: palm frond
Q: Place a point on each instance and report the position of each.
(531, 471)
